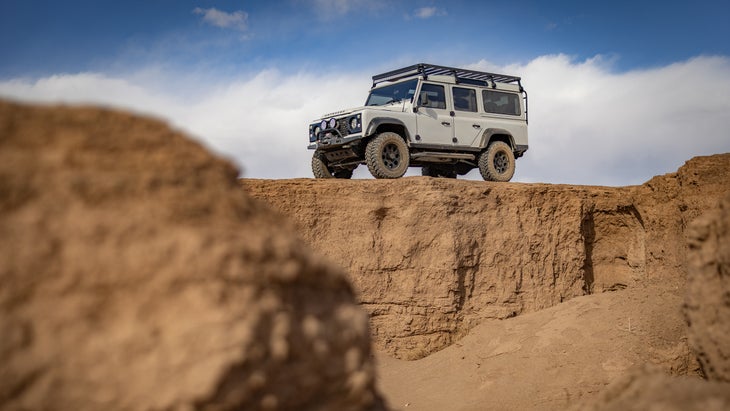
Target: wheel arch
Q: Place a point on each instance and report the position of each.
(382, 124)
(497, 134)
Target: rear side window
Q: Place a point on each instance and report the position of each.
(498, 102)
(465, 99)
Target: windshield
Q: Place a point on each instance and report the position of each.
(392, 93)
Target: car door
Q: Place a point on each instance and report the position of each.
(467, 123)
(434, 124)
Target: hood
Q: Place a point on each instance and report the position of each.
(342, 112)
(398, 107)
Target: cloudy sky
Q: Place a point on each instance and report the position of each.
(619, 91)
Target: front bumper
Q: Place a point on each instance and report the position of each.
(330, 140)
(335, 131)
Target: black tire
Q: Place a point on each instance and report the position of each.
(319, 166)
(387, 156)
(320, 169)
(497, 162)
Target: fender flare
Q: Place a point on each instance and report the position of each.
(488, 133)
(378, 121)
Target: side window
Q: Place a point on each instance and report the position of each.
(498, 102)
(465, 99)
(433, 96)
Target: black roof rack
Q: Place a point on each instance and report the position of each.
(460, 75)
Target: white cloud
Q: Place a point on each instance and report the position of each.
(261, 123)
(591, 125)
(428, 12)
(588, 124)
(237, 20)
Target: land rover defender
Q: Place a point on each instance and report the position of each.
(445, 120)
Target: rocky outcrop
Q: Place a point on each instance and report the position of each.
(431, 258)
(707, 307)
(136, 275)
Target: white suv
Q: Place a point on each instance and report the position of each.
(445, 120)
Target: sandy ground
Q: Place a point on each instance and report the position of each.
(545, 360)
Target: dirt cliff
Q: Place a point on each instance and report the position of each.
(537, 296)
(432, 258)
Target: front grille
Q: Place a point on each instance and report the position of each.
(341, 130)
(342, 127)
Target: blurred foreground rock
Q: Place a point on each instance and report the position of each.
(645, 390)
(136, 275)
(708, 292)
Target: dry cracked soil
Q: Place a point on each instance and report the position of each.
(137, 272)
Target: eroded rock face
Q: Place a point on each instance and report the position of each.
(431, 258)
(707, 307)
(136, 275)
(707, 312)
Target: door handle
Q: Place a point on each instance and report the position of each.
(445, 123)
(476, 126)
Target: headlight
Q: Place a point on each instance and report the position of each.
(317, 130)
(355, 123)
(323, 124)
(333, 122)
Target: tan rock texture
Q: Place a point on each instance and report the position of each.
(432, 258)
(707, 312)
(135, 274)
(646, 390)
(707, 305)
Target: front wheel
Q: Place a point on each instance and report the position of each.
(320, 168)
(497, 162)
(387, 156)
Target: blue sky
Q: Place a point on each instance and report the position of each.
(43, 37)
(204, 66)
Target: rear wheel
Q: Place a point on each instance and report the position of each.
(497, 162)
(387, 156)
(320, 168)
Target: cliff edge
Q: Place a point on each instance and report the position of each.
(432, 258)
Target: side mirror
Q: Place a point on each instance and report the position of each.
(423, 100)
